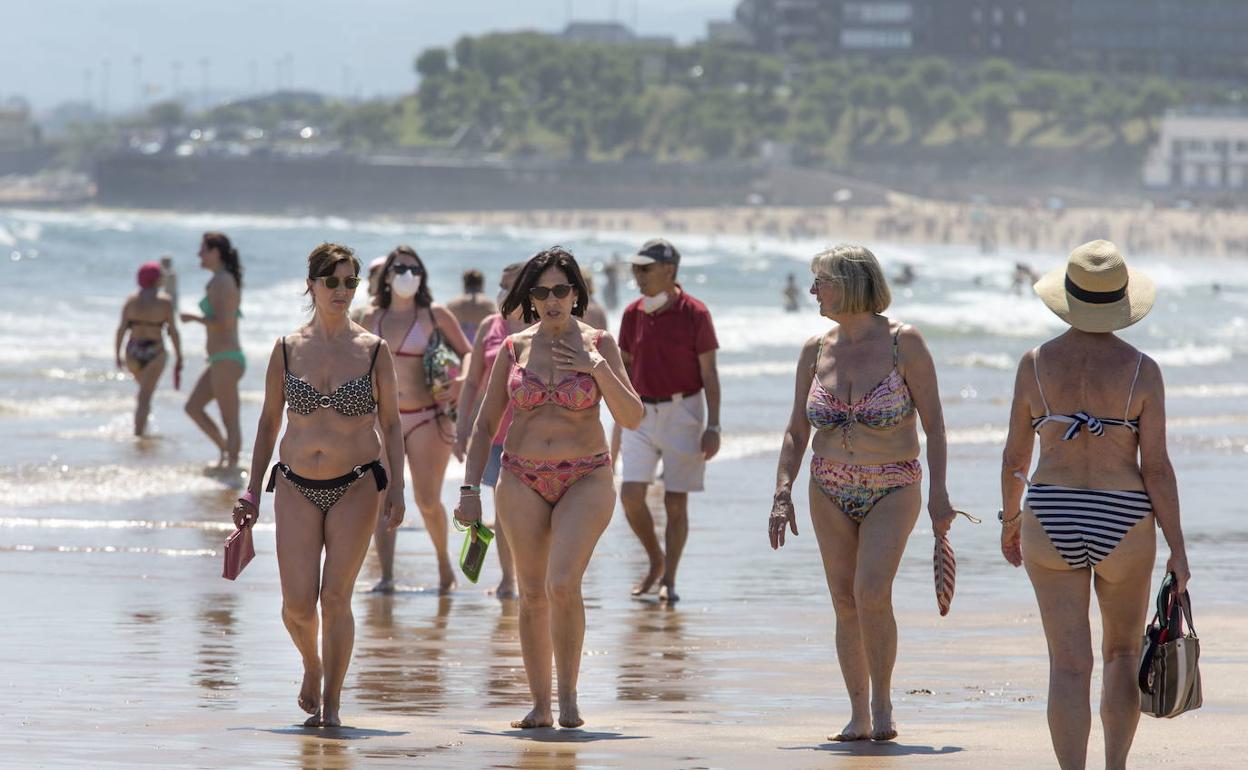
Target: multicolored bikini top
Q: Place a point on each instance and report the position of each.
(352, 398)
(884, 406)
(577, 391)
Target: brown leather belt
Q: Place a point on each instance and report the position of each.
(648, 400)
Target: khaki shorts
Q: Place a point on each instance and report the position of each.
(671, 432)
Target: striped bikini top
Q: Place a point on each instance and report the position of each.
(1079, 420)
(577, 391)
(884, 406)
(415, 341)
(352, 398)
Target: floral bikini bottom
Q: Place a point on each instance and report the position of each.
(552, 478)
(857, 488)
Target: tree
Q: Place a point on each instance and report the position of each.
(433, 62)
(168, 114)
(995, 103)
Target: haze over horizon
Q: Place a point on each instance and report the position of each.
(59, 48)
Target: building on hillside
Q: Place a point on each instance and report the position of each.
(1200, 151)
(610, 33)
(1199, 39)
(17, 132)
(730, 33)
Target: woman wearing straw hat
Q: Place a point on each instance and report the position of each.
(1103, 478)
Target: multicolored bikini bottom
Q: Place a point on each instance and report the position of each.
(552, 478)
(144, 351)
(325, 493)
(857, 488)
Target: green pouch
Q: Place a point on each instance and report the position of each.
(472, 554)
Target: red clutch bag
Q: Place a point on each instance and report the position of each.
(239, 551)
(945, 569)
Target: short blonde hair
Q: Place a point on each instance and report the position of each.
(858, 272)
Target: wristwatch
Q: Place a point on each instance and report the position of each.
(713, 428)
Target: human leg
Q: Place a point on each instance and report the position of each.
(527, 516)
(348, 525)
(148, 377)
(225, 376)
(577, 522)
(201, 394)
(676, 535)
(1063, 594)
(427, 458)
(300, 537)
(640, 458)
(507, 585)
(679, 439)
(837, 535)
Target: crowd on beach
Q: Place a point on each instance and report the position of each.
(513, 386)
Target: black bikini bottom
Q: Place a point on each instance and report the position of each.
(325, 493)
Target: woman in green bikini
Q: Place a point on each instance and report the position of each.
(219, 382)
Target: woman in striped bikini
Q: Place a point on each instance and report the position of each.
(862, 389)
(556, 494)
(1103, 479)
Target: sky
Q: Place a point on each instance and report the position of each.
(59, 50)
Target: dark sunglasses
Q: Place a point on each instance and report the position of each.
(332, 281)
(401, 269)
(642, 268)
(560, 290)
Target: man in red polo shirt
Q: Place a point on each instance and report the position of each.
(669, 344)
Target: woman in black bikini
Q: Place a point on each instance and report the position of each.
(1102, 483)
(337, 384)
(146, 314)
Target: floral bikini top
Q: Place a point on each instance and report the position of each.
(884, 406)
(352, 398)
(577, 391)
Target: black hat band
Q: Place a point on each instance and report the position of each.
(1094, 297)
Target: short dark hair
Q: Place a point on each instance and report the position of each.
(474, 280)
(424, 298)
(556, 256)
(325, 258)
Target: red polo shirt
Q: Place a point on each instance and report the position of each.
(664, 346)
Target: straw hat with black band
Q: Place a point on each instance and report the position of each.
(1095, 291)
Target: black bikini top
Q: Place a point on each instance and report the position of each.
(352, 398)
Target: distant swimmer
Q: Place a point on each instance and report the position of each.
(219, 314)
(611, 281)
(1024, 278)
(595, 314)
(791, 294)
(145, 316)
(906, 276)
(472, 307)
(169, 278)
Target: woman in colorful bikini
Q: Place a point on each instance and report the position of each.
(862, 386)
(405, 315)
(336, 383)
(1104, 478)
(557, 494)
(146, 314)
(491, 335)
(219, 314)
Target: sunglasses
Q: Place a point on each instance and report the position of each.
(642, 268)
(401, 269)
(332, 281)
(560, 290)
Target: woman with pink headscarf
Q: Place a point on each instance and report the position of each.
(146, 315)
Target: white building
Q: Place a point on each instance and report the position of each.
(1205, 150)
(16, 130)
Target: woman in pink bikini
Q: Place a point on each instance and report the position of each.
(405, 316)
(491, 335)
(557, 494)
(860, 387)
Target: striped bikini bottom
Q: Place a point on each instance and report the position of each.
(1086, 525)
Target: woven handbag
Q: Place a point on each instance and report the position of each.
(1169, 672)
(945, 569)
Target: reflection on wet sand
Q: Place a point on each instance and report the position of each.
(562, 757)
(319, 754)
(657, 662)
(214, 670)
(398, 662)
(141, 630)
(506, 683)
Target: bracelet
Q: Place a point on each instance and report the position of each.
(1001, 517)
(248, 497)
(470, 488)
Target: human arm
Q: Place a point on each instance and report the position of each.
(392, 435)
(246, 510)
(606, 366)
(121, 333)
(710, 386)
(1157, 471)
(453, 333)
(493, 406)
(175, 338)
(792, 448)
(468, 402)
(919, 372)
(1015, 463)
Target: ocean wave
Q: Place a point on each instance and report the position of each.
(1220, 390)
(32, 486)
(996, 361)
(58, 406)
(108, 549)
(20, 522)
(1193, 355)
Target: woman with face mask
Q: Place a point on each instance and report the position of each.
(404, 314)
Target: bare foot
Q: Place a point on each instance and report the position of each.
(330, 718)
(854, 730)
(446, 579)
(667, 593)
(534, 719)
(506, 590)
(384, 586)
(314, 720)
(570, 717)
(656, 572)
(309, 692)
(883, 728)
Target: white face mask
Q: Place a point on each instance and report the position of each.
(651, 304)
(406, 285)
